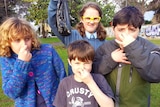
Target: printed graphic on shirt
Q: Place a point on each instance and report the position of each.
(79, 102)
(79, 97)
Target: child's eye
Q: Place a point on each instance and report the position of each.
(133, 30)
(88, 62)
(120, 30)
(88, 18)
(17, 40)
(77, 63)
(27, 39)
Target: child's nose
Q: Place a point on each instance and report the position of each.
(91, 21)
(23, 42)
(82, 66)
(126, 32)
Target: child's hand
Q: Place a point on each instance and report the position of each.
(85, 76)
(24, 54)
(118, 55)
(125, 40)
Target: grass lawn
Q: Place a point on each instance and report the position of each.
(155, 88)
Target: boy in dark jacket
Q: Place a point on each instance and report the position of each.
(129, 62)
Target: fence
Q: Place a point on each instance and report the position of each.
(146, 31)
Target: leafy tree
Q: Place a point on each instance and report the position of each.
(38, 13)
(154, 5)
(7, 8)
(108, 13)
(143, 5)
(22, 8)
(140, 4)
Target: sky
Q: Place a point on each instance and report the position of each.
(149, 15)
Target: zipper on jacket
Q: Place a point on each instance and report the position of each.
(130, 74)
(118, 84)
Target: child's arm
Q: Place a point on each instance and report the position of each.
(52, 8)
(58, 65)
(103, 62)
(14, 76)
(101, 98)
(145, 57)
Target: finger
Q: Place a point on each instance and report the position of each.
(125, 58)
(121, 50)
(81, 72)
(23, 48)
(117, 50)
(119, 42)
(124, 54)
(121, 36)
(30, 55)
(127, 62)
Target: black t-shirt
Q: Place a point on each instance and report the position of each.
(77, 94)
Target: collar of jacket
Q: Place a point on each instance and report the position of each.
(91, 35)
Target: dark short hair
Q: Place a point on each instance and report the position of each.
(82, 50)
(129, 15)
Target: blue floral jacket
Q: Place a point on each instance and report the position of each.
(45, 69)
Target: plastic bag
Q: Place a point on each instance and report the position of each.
(63, 19)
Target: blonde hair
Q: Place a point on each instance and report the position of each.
(12, 29)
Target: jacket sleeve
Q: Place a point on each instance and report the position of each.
(14, 76)
(58, 65)
(52, 8)
(66, 40)
(145, 56)
(103, 63)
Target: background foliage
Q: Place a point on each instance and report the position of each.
(36, 10)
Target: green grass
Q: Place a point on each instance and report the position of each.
(49, 40)
(4, 100)
(155, 88)
(155, 95)
(155, 41)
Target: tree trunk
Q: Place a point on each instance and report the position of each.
(6, 10)
(43, 30)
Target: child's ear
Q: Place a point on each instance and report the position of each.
(113, 28)
(69, 62)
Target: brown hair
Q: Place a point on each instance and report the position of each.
(14, 28)
(82, 50)
(101, 32)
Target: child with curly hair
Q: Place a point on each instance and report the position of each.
(30, 71)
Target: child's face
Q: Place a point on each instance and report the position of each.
(125, 30)
(90, 25)
(16, 45)
(78, 66)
